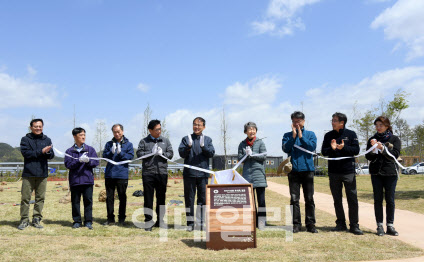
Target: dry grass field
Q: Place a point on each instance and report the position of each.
(409, 190)
(59, 242)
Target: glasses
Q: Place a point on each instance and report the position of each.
(157, 129)
(197, 125)
(334, 121)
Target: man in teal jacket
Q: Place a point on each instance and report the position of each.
(302, 173)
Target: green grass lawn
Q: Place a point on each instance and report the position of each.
(58, 241)
(409, 190)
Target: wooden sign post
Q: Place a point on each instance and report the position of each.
(230, 216)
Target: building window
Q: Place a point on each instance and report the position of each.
(234, 162)
(229, 161)
(267, 162)
(272, 162)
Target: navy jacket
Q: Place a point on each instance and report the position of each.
(80, 173)
(351, 148)
(196, 155)
(301, 161)
(35, 162)
(127, 153)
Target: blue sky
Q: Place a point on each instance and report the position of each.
(260, 59)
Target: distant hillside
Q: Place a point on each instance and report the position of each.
(10, 154)
(13, 154)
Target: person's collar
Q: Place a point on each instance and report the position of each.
(79, 147)
(151, 137)
(36, 136)
(122, 140)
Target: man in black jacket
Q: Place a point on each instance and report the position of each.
(342, 142)
(36, 148)
(155, 173)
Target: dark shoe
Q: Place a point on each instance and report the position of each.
(190, 228)
(76, 225)
(89, 225)
(380, 231)
(312, 229)
(121, 223)
(392, 231)
(339, 228)
(149, 229)
(109, 223)
(297, 228)
(160, 224)
(36, 223)
(355, 230)
(23, 225)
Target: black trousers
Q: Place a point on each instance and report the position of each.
(337, 181)
(191, 185)
(306, 180)
(259, 195)
(121, 186)
(87, 194)
(388, 183)
(152, 183)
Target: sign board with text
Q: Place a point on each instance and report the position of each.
(230, 216)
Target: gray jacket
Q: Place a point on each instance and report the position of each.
(253, 166)
(155, 164)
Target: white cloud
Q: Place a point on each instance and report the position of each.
(143, 87)
(273, 119)
(404, 22)
(31, 71)
(282, 17)
(16, 92)
(257, 91)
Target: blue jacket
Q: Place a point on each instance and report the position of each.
(35, 162)
(301, 161)
(127, 153)
(196, 155)
(80, 173)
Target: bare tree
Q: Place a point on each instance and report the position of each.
(224, 135)
(165, 132)
(101, 135)
(147, 117)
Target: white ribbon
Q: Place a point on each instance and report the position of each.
(373, 148)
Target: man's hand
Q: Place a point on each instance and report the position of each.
(249, 151)
(118, 149)
(155, 149)
(159, 151)
(84, 158)
(202, 140)
(294, 131)
(190, 141)
(340, 146)
(46, 149)
(299, 131)
(113, 148)
(333, 144)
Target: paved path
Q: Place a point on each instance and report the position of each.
(410, 225)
